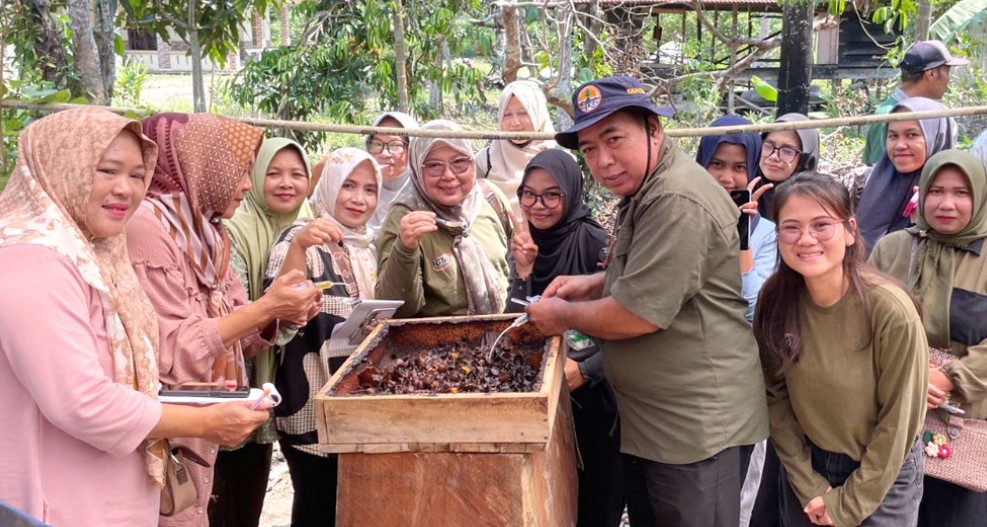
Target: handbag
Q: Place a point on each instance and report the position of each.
(964, 461)
(179, 491)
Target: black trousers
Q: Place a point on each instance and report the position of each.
(314, 481)
(240, 484)
(947, 505)
(768, 502)
(701, 494)
(601, 480)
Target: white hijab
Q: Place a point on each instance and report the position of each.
(507, 160)
(359, 242)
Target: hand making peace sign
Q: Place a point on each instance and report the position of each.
(522, 247)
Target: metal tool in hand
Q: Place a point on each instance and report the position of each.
(521, 320)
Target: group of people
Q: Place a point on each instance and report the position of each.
(773, 371)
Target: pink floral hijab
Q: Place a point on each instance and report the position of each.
(45, 204)
(203, 159)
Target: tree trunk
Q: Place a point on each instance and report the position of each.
(198, 89)
(400, 57)
(563, 89)
(84, 50)
(795, 67)
(512, 38)
(923, 20)
(103, 31)
(285, 25)
(55, 68)
(435, 90)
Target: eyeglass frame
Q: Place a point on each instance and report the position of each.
(447, 166)
(540, 197)
(386, 146)
(778, 149)
(808, 228)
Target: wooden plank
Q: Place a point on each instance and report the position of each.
(437, 420)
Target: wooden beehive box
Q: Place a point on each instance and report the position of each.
(479, 459)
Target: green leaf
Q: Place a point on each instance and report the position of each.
(59, 96)
(118, 45)
(79, 100)
(955, 21)
(765, 90)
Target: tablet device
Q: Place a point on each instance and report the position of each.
(348, 334)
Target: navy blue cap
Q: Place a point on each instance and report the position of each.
(596, 100)
(929, 54)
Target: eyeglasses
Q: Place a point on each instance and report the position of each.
(438, 168)
(821, 231)
(785, 153)
(549, 200)
(394, 147)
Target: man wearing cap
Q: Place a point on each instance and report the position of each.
(924, 73)
(668, 309)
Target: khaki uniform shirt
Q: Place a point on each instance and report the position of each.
(693, 388)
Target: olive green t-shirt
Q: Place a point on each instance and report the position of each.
(858, 388)
(694, 387)
(967, 340)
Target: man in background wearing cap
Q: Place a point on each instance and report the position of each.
(924, 73)
(681, 358)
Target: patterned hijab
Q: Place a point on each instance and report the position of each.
(507, 160)
(255, 228)
(359, 242)
(482, 292)
(931, 278)
(203, 159)
(887, 191)
(45, 204)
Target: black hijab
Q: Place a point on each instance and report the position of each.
(575, 244)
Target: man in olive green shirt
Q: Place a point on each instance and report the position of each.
(681, 358)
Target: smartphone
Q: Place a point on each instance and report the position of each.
(205, 391)
(740, 197)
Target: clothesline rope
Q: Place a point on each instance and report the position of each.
(482, 134)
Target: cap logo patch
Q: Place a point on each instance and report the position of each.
(589, 98)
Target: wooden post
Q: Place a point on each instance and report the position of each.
(731, 86)
(795, 67)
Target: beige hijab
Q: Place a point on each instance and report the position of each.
(507, 160)
(359, 242)
(45, 204)
(483, 295)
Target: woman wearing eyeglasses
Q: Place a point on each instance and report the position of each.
(556, 236)
(523, 108)
(443, 247)
(783, 154)
(845, 362)
(884, 203)
(941, 259)
(391, 153)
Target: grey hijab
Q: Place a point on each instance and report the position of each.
(808, 160)
(887, 191)
(482, 292)
(391, 187)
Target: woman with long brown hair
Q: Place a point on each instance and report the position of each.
(845, 362)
